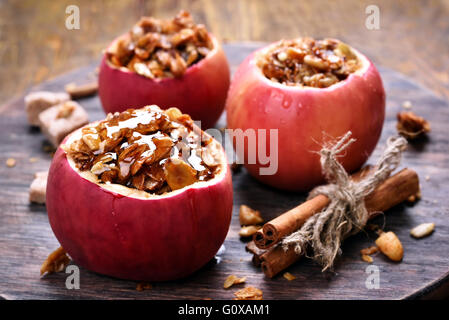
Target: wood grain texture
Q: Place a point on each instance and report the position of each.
(26, 237)
(35, 45)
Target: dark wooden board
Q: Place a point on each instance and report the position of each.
(26, 237)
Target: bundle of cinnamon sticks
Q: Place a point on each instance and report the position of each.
(274, 259)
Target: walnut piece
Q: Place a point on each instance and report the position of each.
(390, 245)
(411, 125)
(55, 262)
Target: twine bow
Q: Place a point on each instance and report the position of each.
(346, 214)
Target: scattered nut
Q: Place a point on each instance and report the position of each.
(55, 262)
(410, 125)
(11, 162)
(390, 245)
(248, 216)
(369, 251)
(231, 280)
(289, 276)
(422, 230)
(367, 258)
(33, 159)
(248, 231)
(249, 293)
(143, 286)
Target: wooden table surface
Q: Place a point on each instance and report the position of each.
(35, 45)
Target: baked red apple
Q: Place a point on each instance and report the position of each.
(312, 92)
(170, 63)
(142, 195)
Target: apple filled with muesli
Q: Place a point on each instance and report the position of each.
(310, 91)
(142, 195)
(170, 63)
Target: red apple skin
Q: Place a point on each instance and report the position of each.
(306, 118)
(200, 92)
(154, 240)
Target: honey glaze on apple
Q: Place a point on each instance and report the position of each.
(161, 48)
(307, 62)
(147, 149)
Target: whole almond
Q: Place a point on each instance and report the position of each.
(390, 245)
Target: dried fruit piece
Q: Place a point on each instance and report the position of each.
(231, 280)
(248, 231)
(55, 262)
(10, 162)
(289, 276)
(411, 125)
(249, 293)
(422, 230)
(248, 216)
(390, 245)
(179, 174)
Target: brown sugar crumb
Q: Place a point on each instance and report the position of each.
(289, 276)
(248, 216)
(162, 48)
(248, 293)
(143, 286)
(232, 280)
(55, 262)
(11, 162)
(411, 125)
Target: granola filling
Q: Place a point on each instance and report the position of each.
(309, 63)
(161, 48)
(147, 149)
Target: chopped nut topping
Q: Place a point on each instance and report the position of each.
(55, 262)
(248, 216)
(10, 162)
(249, 293)
(248, 231)
(147, 149)
(411, 126)
(308, 62)
(289, 276)
(143, 286)
(162, 48)
(389, 244)
(231, 280)
(65, 110)
(422, 230)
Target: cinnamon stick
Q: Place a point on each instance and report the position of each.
(391, 192)
(256, 252)
(273, 231)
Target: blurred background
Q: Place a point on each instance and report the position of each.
(35, 45)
